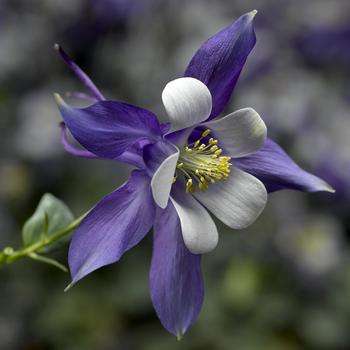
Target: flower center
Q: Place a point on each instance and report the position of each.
(201, 164)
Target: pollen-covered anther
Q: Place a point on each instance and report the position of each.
(201, 164)
(189, 184)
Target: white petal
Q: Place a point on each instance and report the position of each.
(198, 228)
(162, 180)
(236, 201)
(187, 102)
(240, 133)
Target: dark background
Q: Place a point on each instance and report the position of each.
(283, 283)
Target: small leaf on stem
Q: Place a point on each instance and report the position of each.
(50, 216)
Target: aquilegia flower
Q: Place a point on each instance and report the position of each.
(198, 162)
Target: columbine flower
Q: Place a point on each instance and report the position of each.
(195, 163)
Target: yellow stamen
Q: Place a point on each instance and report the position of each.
(188, 185)
(202, 164)
(206, 133)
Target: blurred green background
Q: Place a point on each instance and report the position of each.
(282, 284)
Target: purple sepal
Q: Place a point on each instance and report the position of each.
(71, 149)
(165, 127)
(176, 283)
(154, 154)
(219, 61)
(133, 156)
(109, 128)
(278, 171)
(116, 224)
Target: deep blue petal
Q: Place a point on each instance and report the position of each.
(278, 171)
(176, 283)
(116, 224)
(154, 154)
(132, 156)
(109, 128)
(219, 61)
(72, 149)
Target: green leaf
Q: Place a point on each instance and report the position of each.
(51, 216)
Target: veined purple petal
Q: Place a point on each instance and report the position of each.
(133, 156)
(219, 61)
(165, 127)
(278, 171)
(71, 149)
(80, 74)
(154, 155)
(116, 224)
(176, 283)
(109, 128)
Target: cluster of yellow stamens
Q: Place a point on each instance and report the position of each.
(201, 164)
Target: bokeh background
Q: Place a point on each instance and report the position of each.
(283, 283)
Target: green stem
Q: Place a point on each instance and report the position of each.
(8, 255)
(47, 260)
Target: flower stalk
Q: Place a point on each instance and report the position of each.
(9, 255)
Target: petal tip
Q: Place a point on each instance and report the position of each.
(70, 285)
(202, 246)
(328, 188)
(258, 210)
(253, 13)
(179, 335)
(59, 100)
(161, 203)
(260, 128)
(321, 185)
(199, 250)
(249, 16)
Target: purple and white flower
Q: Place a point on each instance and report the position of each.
(195, 164)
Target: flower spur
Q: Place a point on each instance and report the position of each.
(184, 168)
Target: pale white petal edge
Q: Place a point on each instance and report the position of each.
(162, 180)
(187, 102)
(236, 201)
(198, 228)
(240, 133)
